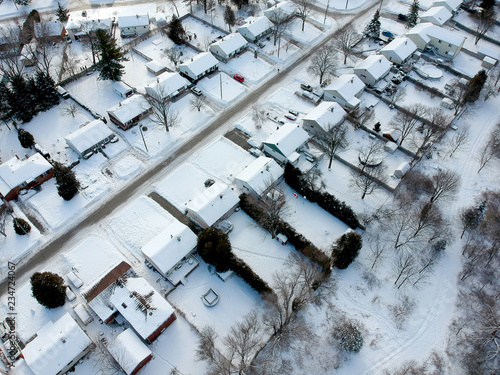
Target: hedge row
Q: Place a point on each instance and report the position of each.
(295, 178)
(251, 206)
(240, 268)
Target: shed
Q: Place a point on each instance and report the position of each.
(156, 67)
(402, 169)
(83, 314)
(392, 135)
(488, 62)
(122, 89)
(130, 352)
(390, 147)
(447, 103)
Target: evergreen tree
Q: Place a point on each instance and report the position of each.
(475, 86)
(22, 2)
(412, 15)
(46, 93)
(25, 138)
(377, 127)
(66, 182)
(21, 226)
(215, 249)
(229, 17)
(62, 13)
(346, 249)
(240, 3)
(22, 98)
(487, 4)
(373, 28)
(175, 31)
(5, 108)
(48, 289)
(110, 57)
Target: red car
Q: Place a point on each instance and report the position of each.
(291, 117)
(239, 78)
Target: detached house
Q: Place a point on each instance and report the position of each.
(399, 50)
(53, 31)
(228, 47)
(284, 11)
(256, 28)
(436, 15)
(323, 117)
(451, 5)
(199, 66)
(81, 27)
(372, 69)
(89, 138)
(259, 177)
(17, 175)
(133, 25)
(442, 41)
(283, 144)
(167, 86)
(129, 352)
(130, 111)
(345, 90)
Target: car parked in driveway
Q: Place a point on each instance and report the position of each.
(388, 34)
(239, 78)
(295, 113)
(402, 17)
(305, 87)
(75, 280)
(195, 90)
(291, 117)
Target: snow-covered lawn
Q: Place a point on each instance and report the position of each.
(222, 87)
(310, 35)
(342, 4)
(127, 167)
(136, 75)
(205, 34)
(467, 64)
(254, 70)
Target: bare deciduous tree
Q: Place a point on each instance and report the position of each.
(198, 102)
(371, 153)
(397, 95)
(10, 63)
(162, 113)
(173, 54)
(69, 108)
(368, 181)
(323, 61)
(346, 39)
(490, 149)
(280, 25)
(332, 140)
(304, 8)
(460, 139)
(405, 121)
(45, 50)
(402, 310)
(275, 207)
(445, 185)
(485, 20)
(258, 115)
(429, 133)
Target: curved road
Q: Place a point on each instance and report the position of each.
(231, 114)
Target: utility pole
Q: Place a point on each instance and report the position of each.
(144, 140)
(326, 11)
(220, 80)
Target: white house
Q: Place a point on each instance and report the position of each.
(255, 28)
(399, 50)
(122, 89)
(451, 5)
(129, 352)
(167, 86)
(283, 144)
(259, 177)
(133, 25)
(81, 27)
(324, 116)
(169, 250)
(128, 112)
(156, 67)
(57, 347)
(345, 90)
(443, 42)
(228, 46)
(283, 11)
(212, 205)
(89, 138)
(199, 66)
(372, 69)
(436, 15)
(52, 30)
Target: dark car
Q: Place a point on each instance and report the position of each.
(306, 87)
(388, 34)
(402, 17)
(239, 78)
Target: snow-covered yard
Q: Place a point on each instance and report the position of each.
(253, 69)
(223, 88)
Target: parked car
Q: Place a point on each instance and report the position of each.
(61, 91)
(388, 34)
(69, 294)
(195, 90)
(239, 78)
(306, 87)
(402, 17)
(75, 280)
(291, 117)
(295, 113)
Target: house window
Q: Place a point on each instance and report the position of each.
(439, 41)
(23, 185)
(449, 45)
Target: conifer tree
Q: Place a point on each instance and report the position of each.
(229, 17)
(475, 86)
(22, 98)
(373, 28)
(47, 95)
(346, 249)
(25, 138)
(412, 15)
(48, 289)
(21, 226)
(66, 182)
(62, 13)
(111, 55)
(175, 31)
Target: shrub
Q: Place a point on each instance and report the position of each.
(48, 289)
(349, 336)
(346, 249)
(214, 247)
(21, 226)
(25, 138)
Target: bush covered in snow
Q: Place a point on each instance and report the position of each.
(348, 336)
(21, 226)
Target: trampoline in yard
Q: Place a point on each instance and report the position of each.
(210, 298)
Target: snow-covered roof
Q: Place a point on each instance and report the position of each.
(259, 174)
(56, 344)
(129, 108)
(155, 66)
(485, 51)
(48, 29)
(452, 4)
(326, 114)
(436, 15)
(15, 171)
(288, 138)
(128, 350)
(89, 135)
(428, 29)
(201, 63)
(256, 26)
(87, 23)
(402, 47)
(347, 86)
(170, 246)
(141, 305)
(213, 203)
(121, 88)
(133, 21)
(230, 43)
(283, 9)
(168, 84)
(376, 65)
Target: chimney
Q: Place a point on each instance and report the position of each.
(137, 16)
(17, 157)
(220, 196)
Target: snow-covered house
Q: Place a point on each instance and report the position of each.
(443, 42)
(57, 347)
(128, 112)
(156, 67)
(372, 69)
(133, 25)
(52, 30)
(89, 138)
(122, 89)
(283, 144)
(323, 117)
(212, 205)
(17, 175)
(259, 177)
(281, 12)
(82, 27)
(345, 90)
(167, 86)
(171, 250)
(199, 66)
(129, 352)
(255, 28)
(451, 5)
(436, 15)
(228, 47)
(399, 50)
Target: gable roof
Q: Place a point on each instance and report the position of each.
(133, 21)
(256, 26)
(377, 65)
(347, 85)
(155, 66)
(287, 139)
(128, 350)
(106, 281)
(402, 47)
(326, 114)
(121, 87)
(130, 108)
(201, 63)
(15, 171)
(168, 84)
(437, 14)
(213, 203)
(230, 43)
(260, 173)
(56, 344)
(170, 246)
(452, 4)
(286, 8)
(48, 29)
(89, 135)
(426, 30)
